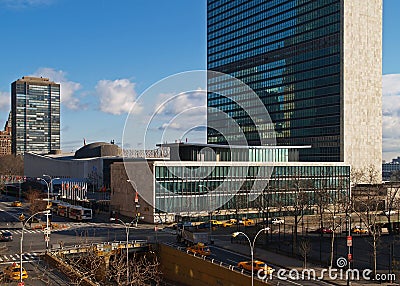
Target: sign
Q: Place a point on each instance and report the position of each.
(46, 238)
(349, 257)
(349, 241)
(21, 283)
(46, 231)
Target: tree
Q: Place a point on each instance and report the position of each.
(35, 200)
(92, 265)
(392, 199)
(322, 202)
(297, 202)
(367, 202)
(11, 165)
(82, 266)
(305, 248)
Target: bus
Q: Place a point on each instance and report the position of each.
(79, 213)
(62, 209)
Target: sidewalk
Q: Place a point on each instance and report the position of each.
(287, 262)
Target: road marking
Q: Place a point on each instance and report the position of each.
(233, 261)
(26, 257)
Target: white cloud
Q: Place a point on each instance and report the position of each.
(391, 116)
(68, 88)
(182, 112)
(21, 4)
(5, 99)
(116, 97)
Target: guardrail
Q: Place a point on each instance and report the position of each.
(101, 247)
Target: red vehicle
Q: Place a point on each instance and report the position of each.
(324, 230)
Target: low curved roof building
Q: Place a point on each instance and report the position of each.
(98, 149)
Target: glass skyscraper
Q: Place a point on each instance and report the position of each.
(316, 66)
(35, 108)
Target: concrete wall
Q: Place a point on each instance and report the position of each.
(361, 94)
(37, 165)
(189, 270)
(123, 194)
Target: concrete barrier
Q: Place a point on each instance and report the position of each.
(177, 266)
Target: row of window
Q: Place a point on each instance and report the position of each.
(269, 26)
(230, 56)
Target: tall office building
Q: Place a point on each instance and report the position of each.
(35, 108)
(316, 66)
(5, 138)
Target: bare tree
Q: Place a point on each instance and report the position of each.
(367, 203)
(298, 201)
(305, 248)
(145, 270)
(35, 200)
(12, 165)
(83, 266)
(392, 199)
(322, 202)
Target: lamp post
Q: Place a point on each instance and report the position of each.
(22, 238)
(127, 227)
(49, 186)
(209, 204)
(252, 244)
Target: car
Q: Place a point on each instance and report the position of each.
(183, 224)
(6, 236)
(199, 248)
(229, 222)
(16, 204)
(247, 221)
(205, 225)
(215, 222)
(13, 272)
(277, 220)
(387, 213)
(324, 230)
(257, 265)
(360, 230)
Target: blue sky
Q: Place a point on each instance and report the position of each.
(102, 50)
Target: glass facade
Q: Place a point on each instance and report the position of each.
(35, 115)
(217, 153)
(288, 52)
(230, 187)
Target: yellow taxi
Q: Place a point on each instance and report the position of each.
(360, 230)
(13, 272)
(247, 221)
(16, 204)
(215, 222)
(229, 223)
(257, 265)
(199, 248)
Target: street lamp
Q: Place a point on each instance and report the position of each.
(22, 237)
(49, 186)
(252, 244)
(209, 204)
(127, 228)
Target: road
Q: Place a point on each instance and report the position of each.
(79, 233)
